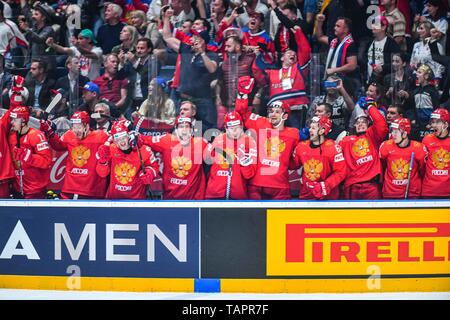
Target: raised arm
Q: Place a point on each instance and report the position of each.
(318, 30)
(168, 37)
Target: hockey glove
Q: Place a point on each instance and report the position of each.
(245, 85)
(22, 154)
(103, 154)
(134, 139)
(147, 177)
(319, 189)
(47, 127)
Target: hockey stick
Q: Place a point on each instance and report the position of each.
(136, 129)
(227, 157)
(341, 136)
(98, 115)
(409, 175)
(20, 166)
(52, 105)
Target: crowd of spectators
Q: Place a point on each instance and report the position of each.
(198, 49)
(128, 59)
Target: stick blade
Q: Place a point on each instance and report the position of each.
(53, 103)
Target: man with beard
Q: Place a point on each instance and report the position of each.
(41, 15)
(235, 61)
(31, 154)
(361, 155)
(436, 182)
(183, 176)
(396, 155)
(129, 170)
(275, 144)
(234, 161)
(81, 180)
(323, 163)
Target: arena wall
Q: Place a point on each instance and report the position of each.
(213, 246)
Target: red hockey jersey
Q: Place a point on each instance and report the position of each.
(124, 170)
(6, 160)
(81, 177)
(275, 148)
(320, 163)
(361, 152)
(240, 175)
(36, 173)
(396, 163)
(183, 176)
(436, 181)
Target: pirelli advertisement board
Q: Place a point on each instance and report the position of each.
(226, 246)
(344, 242)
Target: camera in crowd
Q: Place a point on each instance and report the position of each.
(330, 84)
(241, 8)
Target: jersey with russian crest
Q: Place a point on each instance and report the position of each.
(320, 163)
(436, 181)
(81, 177)
(183, 176)
(124, 170)
(241, 172)
(396, 162)
(361, 151)
(275, 148)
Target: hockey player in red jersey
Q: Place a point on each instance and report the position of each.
(183, 175)
(436, 182)
(81, 180)
(396, 155)
(130, 170)
(7, 174)
(323, 163)
(230, 181)
(32, 156)
(360, 151)
(275, 142)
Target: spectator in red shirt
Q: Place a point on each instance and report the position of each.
(112, 87)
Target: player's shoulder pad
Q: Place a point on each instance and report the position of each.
(304, 142)
(329, 143)
(417, 144)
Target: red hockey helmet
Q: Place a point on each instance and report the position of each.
(179, 120)
(119, 129)
(80, 117)
(20, 112)
(402, 124)
(232, 119)
(280, 104)
(324, 122)
(442, 114)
